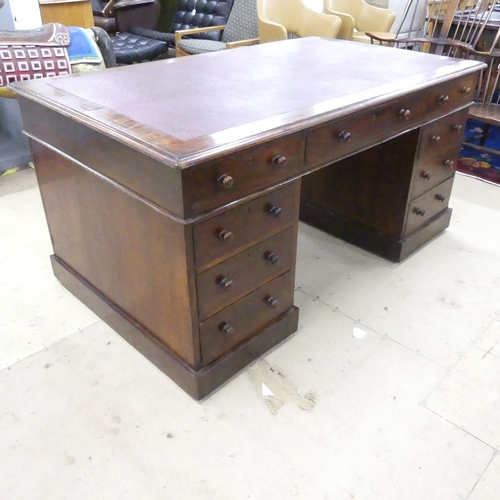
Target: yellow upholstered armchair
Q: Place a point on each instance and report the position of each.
(282, 19)
(358, 17)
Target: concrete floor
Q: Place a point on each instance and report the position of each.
(390, 389)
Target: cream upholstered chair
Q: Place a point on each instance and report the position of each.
(358, 17)
(282, 19)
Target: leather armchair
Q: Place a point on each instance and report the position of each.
(140, 42)
(358, 17)
(282, 19)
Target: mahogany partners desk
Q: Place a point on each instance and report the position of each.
(172, 189)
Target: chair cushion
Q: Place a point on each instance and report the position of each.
(200, 46)
(130, 48)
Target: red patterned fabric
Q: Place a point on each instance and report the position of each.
(36, 53)
(27, 62)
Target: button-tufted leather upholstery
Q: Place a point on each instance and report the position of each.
(200, 14)
(130, 48)
(142, 44)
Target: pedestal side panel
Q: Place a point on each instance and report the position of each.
(138, 258)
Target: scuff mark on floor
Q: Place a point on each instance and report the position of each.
(274, 388)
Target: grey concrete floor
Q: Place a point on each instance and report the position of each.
(390, 389)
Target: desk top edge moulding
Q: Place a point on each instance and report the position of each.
(173, 192)
(126, 104)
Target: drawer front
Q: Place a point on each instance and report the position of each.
(240, 321)
(231, 232)
(343, 137)
(429, 172)
(428, 205)
(234, 278)
(442, 134)
(219, 183)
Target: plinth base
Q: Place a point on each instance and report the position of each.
(197, 384)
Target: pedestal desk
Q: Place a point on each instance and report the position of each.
(172, 189)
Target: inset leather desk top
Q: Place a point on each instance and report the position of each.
(182, 111)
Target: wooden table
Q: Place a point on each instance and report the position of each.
(172, 189)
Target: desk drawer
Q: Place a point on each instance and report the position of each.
(246, 172)
(429, 172)
(343, 137)
(442, 134)
(428, 205)
(231, 232)
(234, 278)
(240, 321)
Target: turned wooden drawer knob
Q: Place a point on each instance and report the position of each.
(419, 211)
(225, 282)
(226, 328)
(425, 175)
(225, 235)
(272, 301)
(273, 258)
(344, 136)
(279, 160)
(404, 114)
(440, 197)
(449, 163)
(275, 211)
(443, 99)
(435, 139)
(465, 90)
(226, 181)
(457, 128)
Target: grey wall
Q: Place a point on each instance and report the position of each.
(14, 146)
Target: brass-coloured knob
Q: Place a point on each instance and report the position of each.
(225, 235)
(225, 180)
(275, 211)
(435, 138)
(225, 282)
(465, 90)
(457, 128)
(273, 258)
(419, 211)
(226, 328)
(443, 99)
(272, 301)
(344, 136)
(425, 175)
(440, 197)
(279, 160)
(449, 163)
(404, 114)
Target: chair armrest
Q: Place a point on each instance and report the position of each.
(193, 31)
(381, 38)
(316, 24)
(271, 32)
(242, 43)
(347, 28)
(375, 19)
(155, 35)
